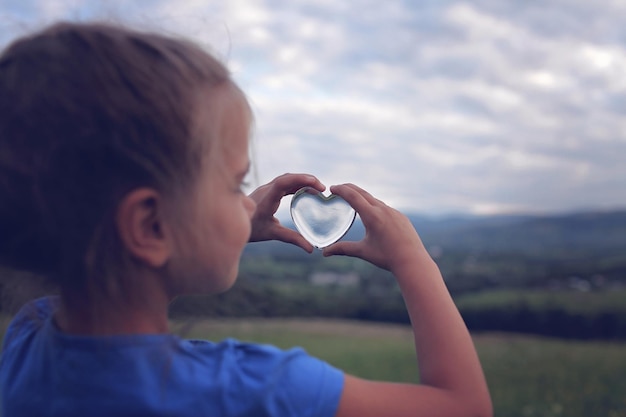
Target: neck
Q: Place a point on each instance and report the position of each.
(135, 312)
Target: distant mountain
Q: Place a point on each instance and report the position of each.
(594, 231)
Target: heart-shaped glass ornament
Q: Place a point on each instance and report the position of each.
(321, 220)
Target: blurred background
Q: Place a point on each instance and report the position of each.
(497, 125)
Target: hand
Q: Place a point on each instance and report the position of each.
(267, 198)
(390, 239)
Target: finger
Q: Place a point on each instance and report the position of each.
(344, 249)
(291, 236)
(369, 197)
(353, 196)
(260, 194)
(290, 183)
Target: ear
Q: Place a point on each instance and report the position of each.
(142, 228)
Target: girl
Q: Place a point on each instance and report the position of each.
(121, 160)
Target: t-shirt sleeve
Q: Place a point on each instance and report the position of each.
(289, 382)
(30, 318)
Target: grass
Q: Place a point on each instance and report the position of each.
(530, 376)
(570, 301)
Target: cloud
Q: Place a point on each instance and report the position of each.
(482, 106)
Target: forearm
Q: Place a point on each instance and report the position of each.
(445, 351)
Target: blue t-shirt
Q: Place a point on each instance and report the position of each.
(44, 372)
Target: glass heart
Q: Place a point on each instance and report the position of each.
(321, 220)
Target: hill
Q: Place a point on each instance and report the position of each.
(589, 232)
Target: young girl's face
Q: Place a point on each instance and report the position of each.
(222, 211)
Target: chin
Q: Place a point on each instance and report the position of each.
(225, 282)
(207, 282)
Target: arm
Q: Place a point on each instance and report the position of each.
(267, 198)
(452, 381)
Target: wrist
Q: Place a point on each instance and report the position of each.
(409, 256)
(414, 265)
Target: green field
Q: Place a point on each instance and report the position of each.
(574, 302)
(528, 376)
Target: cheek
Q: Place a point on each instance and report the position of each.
(240, 232)
(247, 224)
(250, 206)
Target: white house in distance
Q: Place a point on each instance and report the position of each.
(342, 279)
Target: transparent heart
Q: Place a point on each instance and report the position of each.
(321, 220)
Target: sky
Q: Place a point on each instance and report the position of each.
(434, 106)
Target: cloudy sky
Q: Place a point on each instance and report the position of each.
(435, 106)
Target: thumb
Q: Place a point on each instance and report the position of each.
(343, 248)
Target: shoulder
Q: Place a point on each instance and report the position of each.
(284, 382)
(28, 321)
(260, 361)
